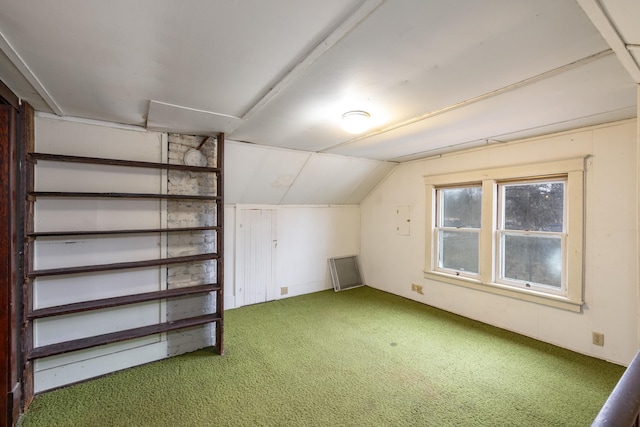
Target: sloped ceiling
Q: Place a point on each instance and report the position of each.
(275, 176)
(435, 75)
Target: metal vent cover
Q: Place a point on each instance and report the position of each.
(345, 272)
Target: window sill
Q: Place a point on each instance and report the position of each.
(555, 301)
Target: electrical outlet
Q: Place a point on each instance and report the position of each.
(284, 290)
(417, 288)
(598, 338)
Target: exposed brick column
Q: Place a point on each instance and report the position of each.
(191, 214)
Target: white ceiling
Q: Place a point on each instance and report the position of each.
(274, 176)
(435, 75)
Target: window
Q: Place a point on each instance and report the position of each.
(531, 234)
(458, 229)
(515, 231)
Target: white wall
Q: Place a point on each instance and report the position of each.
(306, 237)
(393, 262)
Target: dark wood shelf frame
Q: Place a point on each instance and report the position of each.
(84, 195)
(30, 274)
(37, 234)
(79, 307)
(97, 340)
(121, 265)
(34, 157)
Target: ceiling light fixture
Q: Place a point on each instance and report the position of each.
(355, 121)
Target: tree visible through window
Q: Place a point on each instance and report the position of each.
(532, 233)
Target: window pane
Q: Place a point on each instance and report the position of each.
(534, 207)
(534, 259)
(461, 207)
(459, 251)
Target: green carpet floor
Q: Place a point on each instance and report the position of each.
(355, 358)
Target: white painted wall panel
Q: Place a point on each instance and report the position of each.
(74, 177)
(393, 265)
(58, 290)
(611, 280)
(57, 371)
(307, 237)
(95, 214)
(59, 136)
(50, 253)
(229, 256)
(81, 325)
(392, 262)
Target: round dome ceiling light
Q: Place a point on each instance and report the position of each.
(355, 121)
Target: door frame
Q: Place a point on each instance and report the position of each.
(240, 249)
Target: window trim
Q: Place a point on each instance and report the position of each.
(438, 229)
(489, 178)
(501, 231)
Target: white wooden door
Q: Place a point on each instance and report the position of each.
(256, 255)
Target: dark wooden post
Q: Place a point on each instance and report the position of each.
(220, 244)
(10, 310)
(28, 143)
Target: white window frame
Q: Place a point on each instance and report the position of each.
(441, 228)
(572, 296)
(501, 232)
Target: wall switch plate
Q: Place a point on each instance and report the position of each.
(598, 338)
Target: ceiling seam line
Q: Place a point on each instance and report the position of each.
(29, 75)
(495, 138)
(284, 196)
(337, 34)
(362, 181)
(94, 122)
(478, 98)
